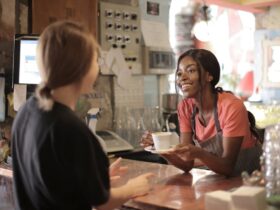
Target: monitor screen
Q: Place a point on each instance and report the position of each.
(25, 65)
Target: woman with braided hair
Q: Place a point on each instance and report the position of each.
(214, 124)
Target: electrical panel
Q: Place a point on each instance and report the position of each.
(119, 27)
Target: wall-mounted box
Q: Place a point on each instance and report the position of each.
(119, 28)
(158, 60)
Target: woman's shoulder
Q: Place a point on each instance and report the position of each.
(60, 117)
(68, 119)
(228, 98)
(229, 103)
(67, 124)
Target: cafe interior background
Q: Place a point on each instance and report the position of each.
(139, 50)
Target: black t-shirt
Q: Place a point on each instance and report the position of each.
(57, 161)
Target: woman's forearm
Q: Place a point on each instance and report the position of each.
(134, 187)
(180, 163)
(219, 165)
(225, 164)
(118, 196)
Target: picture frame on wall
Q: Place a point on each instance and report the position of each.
(271, 64)
(153, 8)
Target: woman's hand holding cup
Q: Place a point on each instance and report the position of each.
(146, 139)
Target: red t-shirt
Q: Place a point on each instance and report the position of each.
(232, 115)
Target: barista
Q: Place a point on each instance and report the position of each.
(214, 124)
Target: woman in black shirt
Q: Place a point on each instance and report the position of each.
(57, 162)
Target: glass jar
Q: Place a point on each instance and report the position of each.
(271, 164)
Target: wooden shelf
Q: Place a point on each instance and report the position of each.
(46, 12)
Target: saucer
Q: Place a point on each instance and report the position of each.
(153, 150)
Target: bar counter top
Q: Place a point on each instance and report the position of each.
(172, 188)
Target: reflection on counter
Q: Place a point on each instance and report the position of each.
(265, 114)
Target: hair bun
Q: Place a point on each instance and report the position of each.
(43, 94)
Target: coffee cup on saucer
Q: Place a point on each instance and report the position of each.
(162, 140)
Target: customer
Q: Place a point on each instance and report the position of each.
(57, 162)
(214, 125)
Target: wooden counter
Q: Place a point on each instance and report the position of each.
(172, 189)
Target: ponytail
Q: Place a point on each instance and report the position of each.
(253, 128)
(44, 97)
(218, 89)
(221, 90)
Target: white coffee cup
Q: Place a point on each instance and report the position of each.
(162, 140)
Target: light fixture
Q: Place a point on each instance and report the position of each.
(202, 28)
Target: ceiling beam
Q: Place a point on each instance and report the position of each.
(235, 4)
(260, 3)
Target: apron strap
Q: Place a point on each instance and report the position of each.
(193, 120)
(193, 127)
(216, 120)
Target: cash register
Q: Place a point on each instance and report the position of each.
(113, 142)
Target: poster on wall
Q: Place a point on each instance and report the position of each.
(271, 65)
(7, 30)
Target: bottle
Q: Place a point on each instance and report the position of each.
(2, 95)
(92, 121)
(271, 164)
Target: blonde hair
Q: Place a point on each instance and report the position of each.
(64, 53)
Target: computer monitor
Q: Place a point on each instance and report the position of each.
(25, 69)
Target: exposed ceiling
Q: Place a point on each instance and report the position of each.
(254, 6)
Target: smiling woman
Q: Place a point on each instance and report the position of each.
(214, 124)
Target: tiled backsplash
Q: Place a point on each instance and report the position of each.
(141, 92)
(101, 97)
(132, 95)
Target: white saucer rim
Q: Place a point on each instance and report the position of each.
(149, 149)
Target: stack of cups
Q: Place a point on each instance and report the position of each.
(271, 167)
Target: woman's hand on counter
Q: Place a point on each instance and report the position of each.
(116, 170)
(135, 187)
(140, 185)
